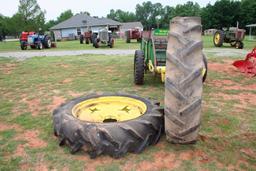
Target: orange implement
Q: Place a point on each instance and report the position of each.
(247, 66)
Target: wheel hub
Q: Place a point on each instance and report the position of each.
(109, 109)
(217, 38)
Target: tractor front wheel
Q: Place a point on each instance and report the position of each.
(47, 42)
(87, 41)
(139, 67)
(218, 38)
(40, 46)
(81, 39)
(23, 46)
(128, 40)
(111, 43)
(239, 45)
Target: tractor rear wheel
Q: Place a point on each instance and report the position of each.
(139, 67)
(218, 38)
(130, 125)
(183, 84)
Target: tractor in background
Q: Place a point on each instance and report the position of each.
(233, 35)
(152, 56)
(87, 37)
(35, 41)
(102, 37)
(134, 33)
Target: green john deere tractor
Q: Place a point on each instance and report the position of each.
(152, 55)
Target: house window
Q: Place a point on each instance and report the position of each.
(78, 31)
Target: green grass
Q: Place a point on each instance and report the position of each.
(70, 45)
(119, 44)
(226, 131)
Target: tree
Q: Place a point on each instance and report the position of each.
(64, 16)
(121, 16)
(188, 9)
(31, 15)
(148, 13)
(248, 12)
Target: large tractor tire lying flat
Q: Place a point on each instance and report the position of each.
(111, 124)
(183, 86)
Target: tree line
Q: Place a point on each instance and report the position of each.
(223, 13)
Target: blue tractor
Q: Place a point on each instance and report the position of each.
(34, 40)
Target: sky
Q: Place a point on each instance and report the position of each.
(99, 8)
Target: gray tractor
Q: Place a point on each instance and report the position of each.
(102, 37)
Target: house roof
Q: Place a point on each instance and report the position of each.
(130, 25)
(251, 25)
(83, 20)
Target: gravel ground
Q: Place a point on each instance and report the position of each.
(22, 55)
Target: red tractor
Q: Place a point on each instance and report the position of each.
(133, 34)
(87, 36)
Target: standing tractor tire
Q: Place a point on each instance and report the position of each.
(183, 84)
(120, 123)
(218, 38)
(139, 67)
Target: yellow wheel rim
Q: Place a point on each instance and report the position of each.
(109, 109)
(217, 38)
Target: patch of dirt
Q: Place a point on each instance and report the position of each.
(203, 157)
(162, 160)
(31, 136)
(63, 65)
(7, 68)
(67, 80)
(56, 101)
(24, 166)
(230, 85)
(225, 67)
(33, 105)
(249, 152)
(186, 155)
(20, 151)
(244, 99)
(91, 164)
(41, 167)
(74, 94)
(4, 127)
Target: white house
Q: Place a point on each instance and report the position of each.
(80, 23)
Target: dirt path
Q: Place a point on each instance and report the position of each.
(22, 55)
